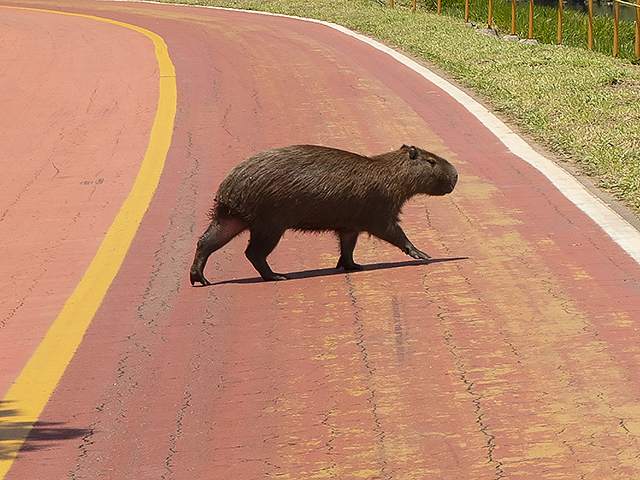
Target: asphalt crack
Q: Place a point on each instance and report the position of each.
(173, 440)
(378, 428)
(476, 399)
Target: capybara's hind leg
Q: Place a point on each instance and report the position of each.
(219, 233)
(260, 246)
(348, 239)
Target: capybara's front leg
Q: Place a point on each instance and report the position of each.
(396, 236)
(348, 239)
(219, 233)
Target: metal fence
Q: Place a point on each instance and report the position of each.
(560, 22)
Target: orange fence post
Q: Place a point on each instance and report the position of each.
(616, 22)
(466, 11)
(590, 25)
(513, 17)
(559, 22)
(439, 6)
(414, 6)
(489, 22)
(530, 19)
(638, 30)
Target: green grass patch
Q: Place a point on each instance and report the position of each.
(583, 105)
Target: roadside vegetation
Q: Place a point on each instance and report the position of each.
(583, 106)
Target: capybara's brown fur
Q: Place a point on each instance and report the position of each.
(314, 188)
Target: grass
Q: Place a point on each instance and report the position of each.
(582, 105)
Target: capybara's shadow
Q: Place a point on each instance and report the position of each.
(327, 272)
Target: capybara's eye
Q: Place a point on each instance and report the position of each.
(431, 160)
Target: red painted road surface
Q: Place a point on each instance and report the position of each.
(514, 354)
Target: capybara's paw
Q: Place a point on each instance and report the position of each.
(415, 253)
(274, 277)
(198, 277)
(348, 265)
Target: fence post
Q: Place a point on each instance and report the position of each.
(638, 30)
(616, 22)
(490, 14)
(559, 22)
(590, 25)
(439, 6)
(530, 19)
(466, 11)
(513, 17)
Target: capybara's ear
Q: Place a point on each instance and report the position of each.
(413, 153)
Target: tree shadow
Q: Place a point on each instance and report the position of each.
(38, 436)
(327, 272)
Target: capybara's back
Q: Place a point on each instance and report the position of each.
(316, 188)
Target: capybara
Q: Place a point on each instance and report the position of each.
(312, 188)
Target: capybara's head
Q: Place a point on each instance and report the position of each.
(429, 173)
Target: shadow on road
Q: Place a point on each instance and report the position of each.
(326, 272)
(40, 435)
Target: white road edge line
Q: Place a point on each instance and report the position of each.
(621, 231)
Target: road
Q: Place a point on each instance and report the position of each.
(514, 353)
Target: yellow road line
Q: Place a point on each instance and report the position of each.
(37, 381)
